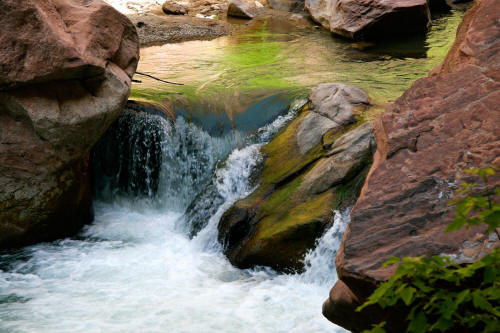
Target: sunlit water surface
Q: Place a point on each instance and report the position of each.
(229, 74)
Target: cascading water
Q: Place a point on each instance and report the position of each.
(150, 262)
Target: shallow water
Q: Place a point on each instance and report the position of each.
(265, 58)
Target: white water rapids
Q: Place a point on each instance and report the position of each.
(136, 270)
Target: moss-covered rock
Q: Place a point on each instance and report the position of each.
(280, 221)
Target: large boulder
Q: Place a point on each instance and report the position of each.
(66, 75)
(444, 124)
(371, 19)
(300, 187)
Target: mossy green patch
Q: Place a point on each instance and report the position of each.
(313, 210)
(283, 157)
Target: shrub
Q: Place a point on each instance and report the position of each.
(441, 295)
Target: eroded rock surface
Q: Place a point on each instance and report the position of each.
(298, 189)
(66, 74)
(333, 106)
(296, 6)
(444, 124)
(371, 19)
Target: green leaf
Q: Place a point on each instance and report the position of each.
(447, 308)
(480, 302)
(391, 261)
(484, 173)
(492, 219)
(407, 295)
(376, 328)
(443, 324)
(490, 275)
(422, 286)
(461, 296)
(419, 323)
(456, 224)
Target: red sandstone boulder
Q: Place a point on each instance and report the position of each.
(370, 19)
(444, 124)
(66, 74)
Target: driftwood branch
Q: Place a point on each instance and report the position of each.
(155, 78)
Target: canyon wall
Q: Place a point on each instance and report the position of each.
(442, 125)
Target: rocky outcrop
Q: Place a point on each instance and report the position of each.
(372, 19)
(441, 126)
(308, 171)
(66, 74)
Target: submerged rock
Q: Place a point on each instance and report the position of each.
(280, 221)
(444, 124)
(66, 76)
(372, 19)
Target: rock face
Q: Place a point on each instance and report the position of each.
(66, 73)
(371, 19)
(299, 187)
(444, 124)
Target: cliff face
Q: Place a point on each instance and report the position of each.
(66, 69)
(444, 124)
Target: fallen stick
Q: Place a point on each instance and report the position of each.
(151, 76)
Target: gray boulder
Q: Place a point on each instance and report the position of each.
(333, 106)
(348, 154)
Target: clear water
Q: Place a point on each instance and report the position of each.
(135, 269)
(264, 58)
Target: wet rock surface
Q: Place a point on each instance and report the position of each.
(444, 124)
(58, 94)
(373, 19)
(280, 221)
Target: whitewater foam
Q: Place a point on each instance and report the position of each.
(135, 270)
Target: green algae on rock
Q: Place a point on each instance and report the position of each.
(280, 221)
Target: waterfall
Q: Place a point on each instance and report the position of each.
(150, 262)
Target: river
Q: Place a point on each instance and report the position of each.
(136, 268)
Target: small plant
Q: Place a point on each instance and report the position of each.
(443, 296)
(473, 210)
